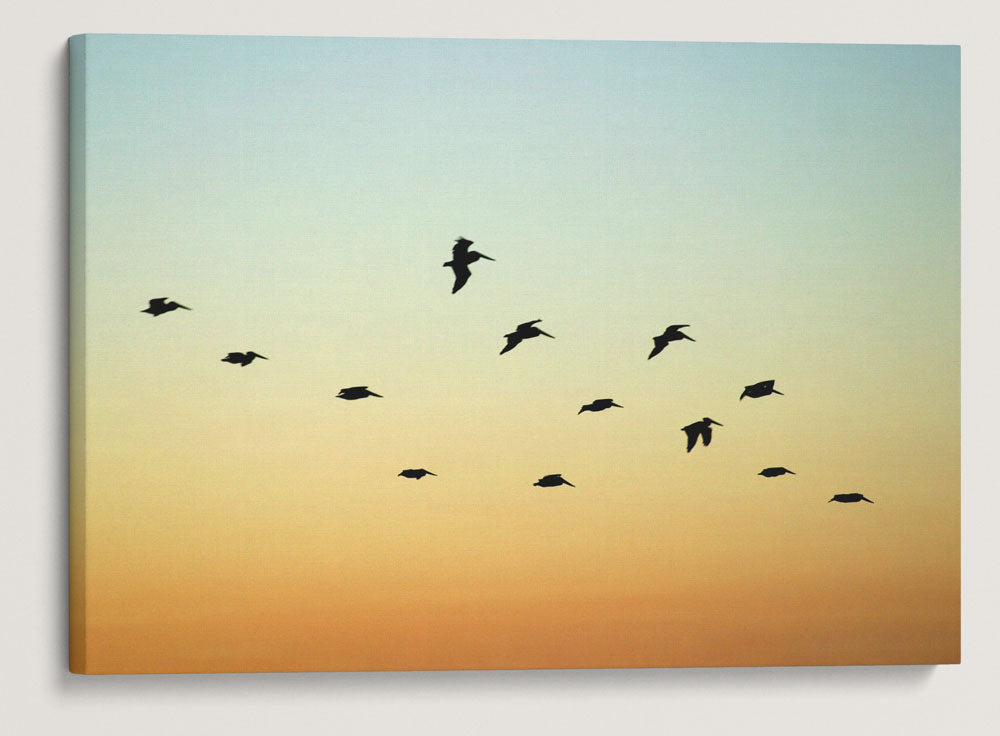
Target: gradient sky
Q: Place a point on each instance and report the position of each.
(797, 205)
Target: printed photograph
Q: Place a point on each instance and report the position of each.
(437, 354)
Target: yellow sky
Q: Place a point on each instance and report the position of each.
(796, 205)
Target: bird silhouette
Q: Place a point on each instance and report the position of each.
(416, 473)
(555, 479)
(162, 306)
(524, 331)
(461, 257)
(701, 429)
(356, 392)
(598, 405)
(773, 472)
(671, 334)
(849, 498)
(243, 359)
(756, 390)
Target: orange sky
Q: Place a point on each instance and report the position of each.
(796, 205)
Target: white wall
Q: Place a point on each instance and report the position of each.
(39, 696)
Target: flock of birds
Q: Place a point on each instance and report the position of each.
(461, 258)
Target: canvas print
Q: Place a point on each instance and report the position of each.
(407, 354)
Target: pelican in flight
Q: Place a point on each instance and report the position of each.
(701, 429)
(671, 334)
(243, 359)
(555, 479)
(461, 257)
(524, 331)
(598, 405)
(774, 472)
(356, 392)
(416, 473)
(849, 498)
(756, 390)
(162, 306)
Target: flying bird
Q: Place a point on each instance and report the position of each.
(671, 334)
(555, 479)
(356, 392)
(416, 473)
(161, 306)
(523, 332)
(756, 390)
(598, 405)
(243, 359)
(773, 472)
(701, 429)
(461, 257)
(849, 498)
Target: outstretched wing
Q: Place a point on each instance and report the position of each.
(461, 248)
(692, 435)
(526, 325)
(706, 435)
(235, 356)
(512, 342)
(766, 385)
(658, 344)
(462, 274)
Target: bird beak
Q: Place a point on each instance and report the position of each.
(547, 334)
(483, 255)
(183, 307)
(712, 421)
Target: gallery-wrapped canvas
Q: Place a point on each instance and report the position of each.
(395, 354)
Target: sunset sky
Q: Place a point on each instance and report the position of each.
(796, 205)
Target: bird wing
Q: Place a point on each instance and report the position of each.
(238, 356)
(512, 342)
(461, 248)
(674, 328)
(462, 274)
(692, 435)
(706, 435)
(658, 345)
(766, 385)
(158, 302)
(526, 325)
